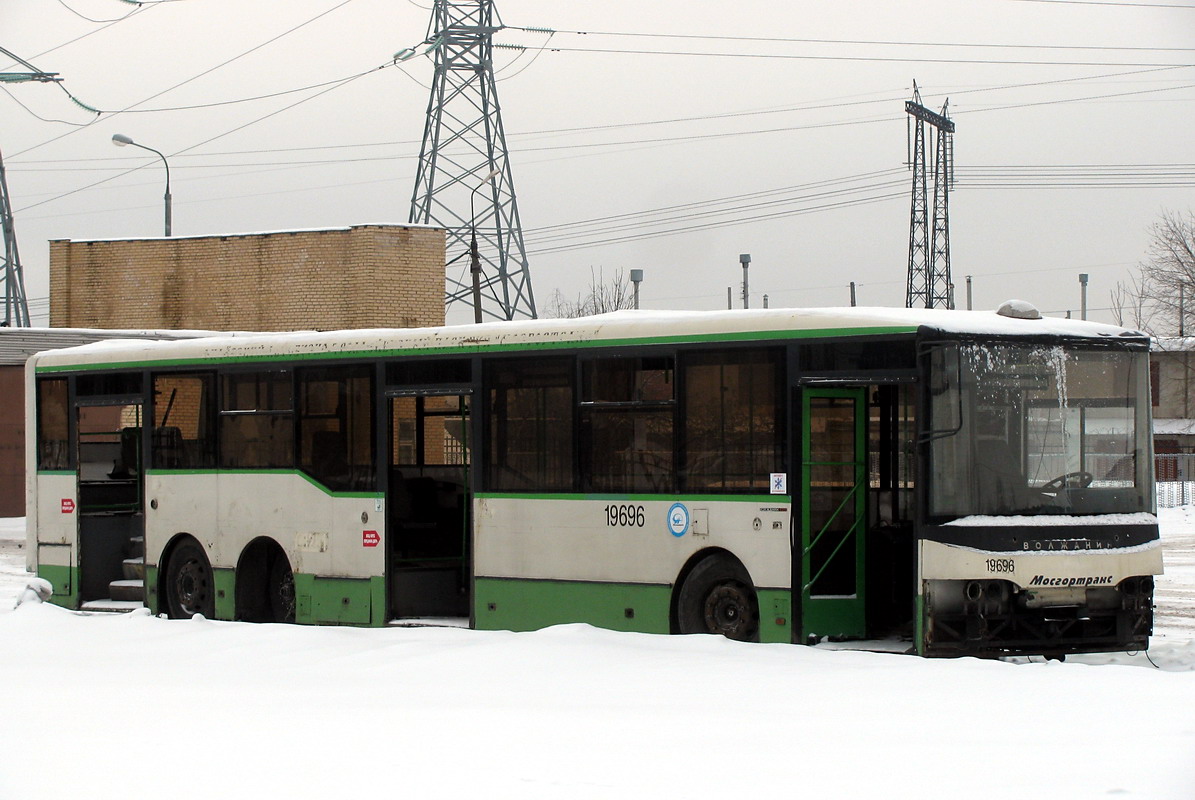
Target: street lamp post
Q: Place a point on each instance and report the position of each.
(474, 256)
(120, 140)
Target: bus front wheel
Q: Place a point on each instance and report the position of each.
(189, 589)
(717, 597)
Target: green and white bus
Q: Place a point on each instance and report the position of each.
(963, 482)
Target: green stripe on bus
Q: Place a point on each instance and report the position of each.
(271, 471)
(224, 581)
(65, 581)
(470, 349)
(525, 605)
(775, 615)
(56, 472)
(340, 601)
(639, 498)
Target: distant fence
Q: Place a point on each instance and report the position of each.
(1175, 474)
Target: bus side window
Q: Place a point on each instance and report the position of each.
(335, 426)
(183, 433)
(628, 407)
(256, 420)
(530, 425)
(731, 430)
(53, 451)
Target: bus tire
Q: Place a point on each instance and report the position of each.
(189, 584)
(717, 597)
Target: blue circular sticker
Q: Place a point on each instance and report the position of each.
(678, 520)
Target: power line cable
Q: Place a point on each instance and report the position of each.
(868, 42)
(1108, 3)
(872, 59)
(209, 139)
(198, 75)
(80, 15)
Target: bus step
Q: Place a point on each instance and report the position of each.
(112, 606)
(134, 568)
(129, 590)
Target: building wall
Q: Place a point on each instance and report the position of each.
(1175, 381)
(360, 277)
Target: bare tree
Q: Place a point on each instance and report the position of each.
(1129, 306)
(1159, 297)
(602, 296)
(1168, 274)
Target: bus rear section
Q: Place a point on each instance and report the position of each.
(89, 488)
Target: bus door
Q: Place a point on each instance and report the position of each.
(429, 501)
(829, 563)
(110, 499)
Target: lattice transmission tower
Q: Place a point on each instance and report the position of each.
(16, 304)
(464, 182)
(929, 284)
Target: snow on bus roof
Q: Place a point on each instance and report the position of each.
(618, 327)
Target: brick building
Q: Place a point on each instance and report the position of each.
(364, 276)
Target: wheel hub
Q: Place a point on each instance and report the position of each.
(727, 610)
(191, 586)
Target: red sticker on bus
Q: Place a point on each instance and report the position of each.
(370, 539)
(68, 505)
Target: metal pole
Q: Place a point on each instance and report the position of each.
(745, 260)
(474, 255)
(475, 269)
(1182, 299)
(728, 296)
(852, 294)
(1082, 295)
(636, 278)
(765, 301)
(120, 140)
(969, 306)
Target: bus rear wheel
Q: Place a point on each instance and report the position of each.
(717, 597)
(189, 589)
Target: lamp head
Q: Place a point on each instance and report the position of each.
(120, 140)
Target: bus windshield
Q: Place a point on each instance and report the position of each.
(1021, 429)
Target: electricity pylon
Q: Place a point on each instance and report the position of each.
(929, 240)
(464, 182)
(16, 304)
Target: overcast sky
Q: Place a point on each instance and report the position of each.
(779, 127)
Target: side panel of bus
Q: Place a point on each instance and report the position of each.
(334, 543)
(614, 561)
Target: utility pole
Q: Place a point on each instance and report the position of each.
(16, 304)
(929, 239)
(745, 260)
(1082, 295)
(463, 140)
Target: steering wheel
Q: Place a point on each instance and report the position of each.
(1081, 480)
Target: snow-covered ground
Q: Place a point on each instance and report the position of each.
(104, 706)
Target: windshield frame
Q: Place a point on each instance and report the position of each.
(996, 420)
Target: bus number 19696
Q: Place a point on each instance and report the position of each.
(624, 516)
(1000, 565)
